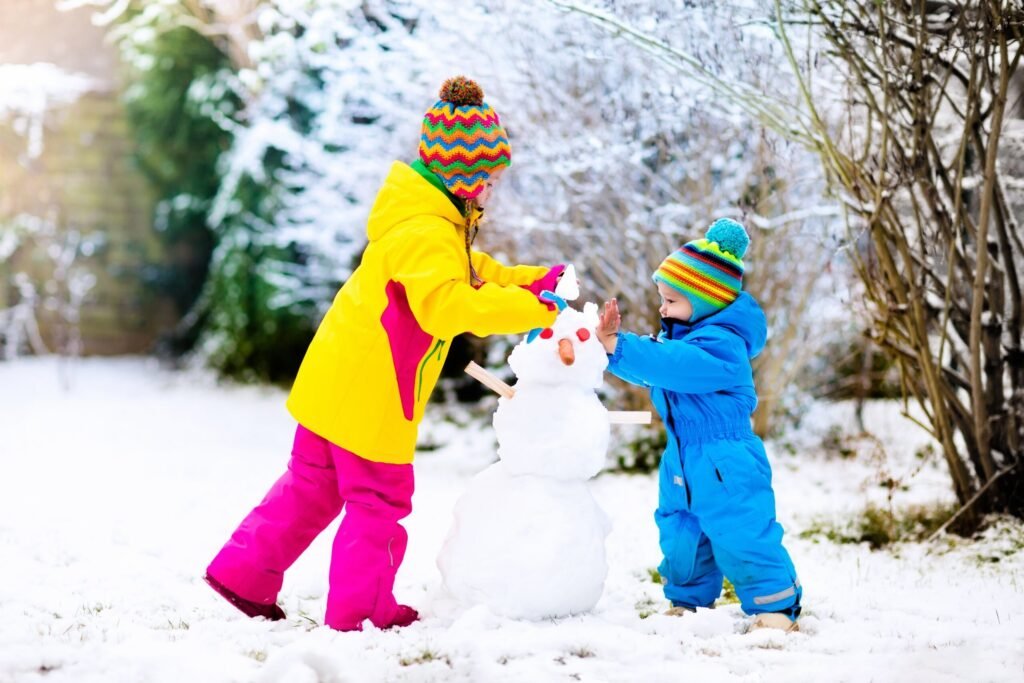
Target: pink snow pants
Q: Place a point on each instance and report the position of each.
(323, 478)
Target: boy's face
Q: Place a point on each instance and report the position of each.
(673, 303)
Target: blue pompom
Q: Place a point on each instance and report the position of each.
(730, 236)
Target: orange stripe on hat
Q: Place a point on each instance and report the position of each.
(730, 270)
(686, 286)
(697, 281)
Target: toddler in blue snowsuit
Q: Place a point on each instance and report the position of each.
(716, 507)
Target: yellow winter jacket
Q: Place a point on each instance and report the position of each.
(377, 354)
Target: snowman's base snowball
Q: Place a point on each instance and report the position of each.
(528, 547)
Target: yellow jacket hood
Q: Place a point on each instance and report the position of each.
(402, 198)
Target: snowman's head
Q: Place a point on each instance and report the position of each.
(568, 352)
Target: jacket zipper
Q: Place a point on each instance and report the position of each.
(679, 445)
(669, 324)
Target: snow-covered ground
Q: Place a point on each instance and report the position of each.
(116, 493)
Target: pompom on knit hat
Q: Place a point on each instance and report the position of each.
(709, 271)
(462, 139)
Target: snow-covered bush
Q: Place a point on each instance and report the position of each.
(44, 269)
(28, 92)
(923, 157)
(52, 278)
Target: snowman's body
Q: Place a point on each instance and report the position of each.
(528, 537)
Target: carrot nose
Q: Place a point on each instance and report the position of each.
(566, 352)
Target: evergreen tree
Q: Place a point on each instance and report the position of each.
(177, 147)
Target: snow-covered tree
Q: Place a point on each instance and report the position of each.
(619, 158)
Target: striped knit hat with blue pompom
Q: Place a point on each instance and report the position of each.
(708, 272)
(462, 139)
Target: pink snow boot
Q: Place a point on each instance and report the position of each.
(404, 616)
(271, 612)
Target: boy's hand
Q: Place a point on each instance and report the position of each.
(608, 326)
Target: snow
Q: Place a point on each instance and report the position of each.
(115, 494)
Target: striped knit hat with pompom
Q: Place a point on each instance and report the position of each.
(708, 272)
(463, 140)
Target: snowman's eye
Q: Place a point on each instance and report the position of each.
(547, 333)
(583, 333)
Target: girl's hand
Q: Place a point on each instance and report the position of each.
(608, 326)
(548, 281)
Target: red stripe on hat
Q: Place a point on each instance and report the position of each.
(469, 159)
(451, 135)
(435, 116)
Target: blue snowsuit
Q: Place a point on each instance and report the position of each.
(716, 507)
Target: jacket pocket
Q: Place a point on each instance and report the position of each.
(732, 467)
(718, 474)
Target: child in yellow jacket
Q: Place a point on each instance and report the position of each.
(366, 377)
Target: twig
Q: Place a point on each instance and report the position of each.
(966, 506)
(491, 381)
(629, 417)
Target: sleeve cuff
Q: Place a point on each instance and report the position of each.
(615, 356)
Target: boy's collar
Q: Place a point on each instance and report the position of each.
(667, 324)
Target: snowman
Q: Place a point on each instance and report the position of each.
(528, 538)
